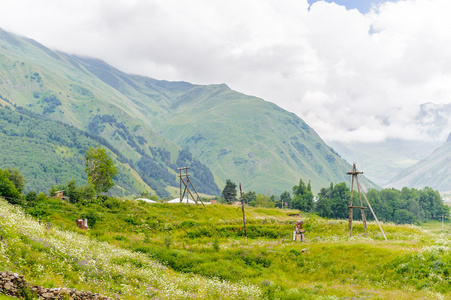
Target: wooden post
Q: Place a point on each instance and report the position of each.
(244, 216)
(180, 176)
(362, 210)
(351, 208)
(354, 173)
(185, 183)
(374, 215)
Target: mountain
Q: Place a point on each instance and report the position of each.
(384, 160)
(50, 153)
(159, 126)
(433, 171)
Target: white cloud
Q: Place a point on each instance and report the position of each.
(348, 75)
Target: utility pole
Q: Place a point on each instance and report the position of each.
(185, 183)
(354, 174)
(244, 216)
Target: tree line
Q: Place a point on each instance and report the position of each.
(405, 206)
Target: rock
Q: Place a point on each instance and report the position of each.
(9, 286)
(47, 295)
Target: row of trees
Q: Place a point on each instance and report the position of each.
(403, 206)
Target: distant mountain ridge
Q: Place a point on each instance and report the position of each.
(382, 161)
(157, 125)
(433, 171)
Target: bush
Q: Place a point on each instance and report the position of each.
(8, 189)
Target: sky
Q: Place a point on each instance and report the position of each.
(353, 70)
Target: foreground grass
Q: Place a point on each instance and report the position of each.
(138, 243)
(52, 257)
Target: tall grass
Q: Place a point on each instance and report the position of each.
(53, 257)
(176, 251)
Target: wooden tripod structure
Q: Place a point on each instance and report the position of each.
(354, 174)
(184, 178)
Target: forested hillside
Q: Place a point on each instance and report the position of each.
(50, 153)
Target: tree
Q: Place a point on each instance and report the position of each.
(229, 191)
(7, 188)
(17, 178)
(285, 197)
(303, 196)
(249, 197)
(100, 169)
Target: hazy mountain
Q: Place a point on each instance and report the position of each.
(384, 160)
(433, 171)
(149, 121)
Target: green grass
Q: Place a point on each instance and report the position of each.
(4, 297)
(209, 242)
(437, 226)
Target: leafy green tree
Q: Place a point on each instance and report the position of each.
(303, 196)
(17, 178)
(403, 216)
(229, 191)
(100, 169)
(262, 201)
(249, 197)
(31, 196)
(285, 198)
(8, 189)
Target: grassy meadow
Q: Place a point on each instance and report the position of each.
(136, 250)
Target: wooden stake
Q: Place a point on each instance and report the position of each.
(244, 216)
(374, 215)
(351, 208)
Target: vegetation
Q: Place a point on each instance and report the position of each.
(50, 153)
(100, 169)
(407, 206)
(7, 188)
(302, 196)
(229, 191)
(193, 241)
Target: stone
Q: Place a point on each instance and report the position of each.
(47, 295)
(9, 286)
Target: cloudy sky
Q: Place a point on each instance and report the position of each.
(354, 70)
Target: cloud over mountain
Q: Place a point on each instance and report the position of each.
(351, 76)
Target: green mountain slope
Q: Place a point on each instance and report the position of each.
(51, 153)
(433, 171)
(54, 85)
(239, 137)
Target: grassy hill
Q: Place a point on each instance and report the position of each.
(138, 250)
(433, 171)
(239, 137)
